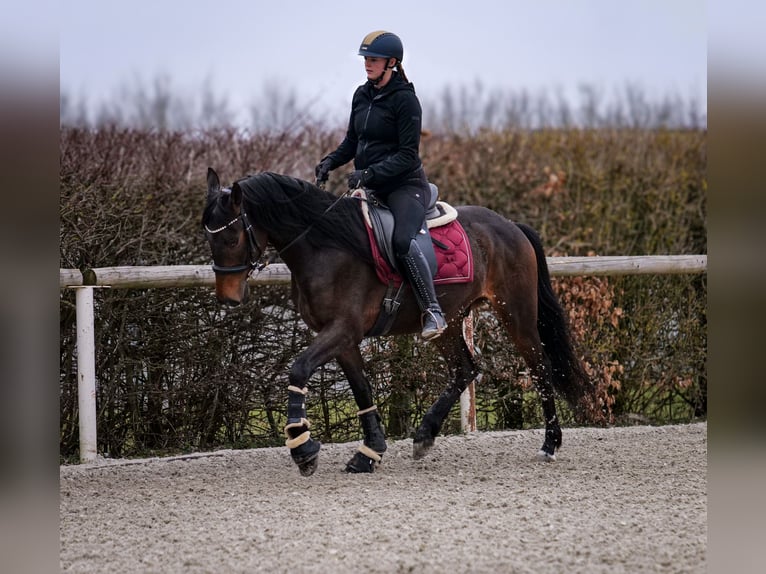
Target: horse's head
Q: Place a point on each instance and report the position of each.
(236, 246)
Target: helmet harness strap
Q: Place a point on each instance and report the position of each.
(377, 80)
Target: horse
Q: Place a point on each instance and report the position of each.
(323, 241)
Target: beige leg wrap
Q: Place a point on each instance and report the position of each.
(367, 451)
(298, 441)
(301, 424)
(295, 389)
(368, 410)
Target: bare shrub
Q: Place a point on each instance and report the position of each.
(176, 372)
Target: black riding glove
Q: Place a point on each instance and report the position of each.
(359, 178)
(322, 170)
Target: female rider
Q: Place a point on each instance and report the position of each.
(383, 139)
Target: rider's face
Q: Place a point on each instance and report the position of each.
(374, 66)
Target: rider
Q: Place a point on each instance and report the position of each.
(383, 139)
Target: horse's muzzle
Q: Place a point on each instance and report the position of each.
(231, 293)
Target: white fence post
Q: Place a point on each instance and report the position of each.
(86, 373)
(468, 396)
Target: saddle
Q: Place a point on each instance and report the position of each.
(451, 262)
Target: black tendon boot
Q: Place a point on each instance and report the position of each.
(418, 273)
(303, 448)
(371, 451)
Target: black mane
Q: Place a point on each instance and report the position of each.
(290, 205)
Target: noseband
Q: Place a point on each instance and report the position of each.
(254, 251)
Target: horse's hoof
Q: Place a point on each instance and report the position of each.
(309, 467)
(306, 456)
(543, 456)
(420, 449)
(361, 463)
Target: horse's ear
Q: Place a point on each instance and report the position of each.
(236, 194)
(213, 183)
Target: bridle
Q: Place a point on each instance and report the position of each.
(252, 246)
(254, 251)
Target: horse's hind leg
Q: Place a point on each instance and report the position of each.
(453, 347)
(522, 328)
(540, 369)
(372, 448)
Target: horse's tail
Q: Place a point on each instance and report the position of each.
(568, 373)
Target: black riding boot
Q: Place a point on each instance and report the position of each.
(418, 273)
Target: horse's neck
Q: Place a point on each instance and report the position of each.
(293, 251)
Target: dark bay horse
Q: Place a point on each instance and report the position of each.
(323, 241)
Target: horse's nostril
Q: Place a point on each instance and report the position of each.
(229, 302)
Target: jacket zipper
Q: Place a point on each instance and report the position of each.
(364, 130)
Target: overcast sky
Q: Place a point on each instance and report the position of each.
(310, 47)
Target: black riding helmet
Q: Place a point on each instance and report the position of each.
(382, 44)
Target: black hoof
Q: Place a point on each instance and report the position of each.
(548, 451)
(421, 448)
(361, 463)
(544, 456)
(306, 456)
(309, 467)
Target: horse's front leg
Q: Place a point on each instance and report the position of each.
(304, 450)
(370, 452)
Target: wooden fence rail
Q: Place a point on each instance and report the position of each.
(277, 273)
(176, 276)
